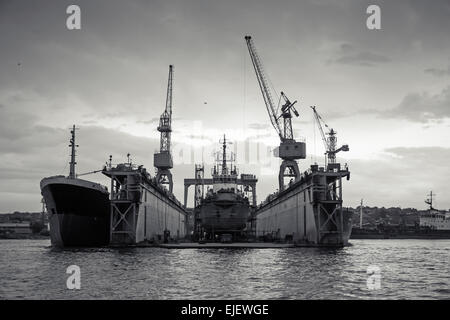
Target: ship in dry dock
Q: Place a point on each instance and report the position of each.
(225, 209)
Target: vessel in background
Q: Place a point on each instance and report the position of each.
(435, 219)
(78, 209)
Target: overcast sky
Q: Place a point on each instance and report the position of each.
(386, 92)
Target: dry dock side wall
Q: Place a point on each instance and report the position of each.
(291, 215)
(141, 210)
(156, 214)
(310, 211)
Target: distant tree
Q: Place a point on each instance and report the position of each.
(36, 226)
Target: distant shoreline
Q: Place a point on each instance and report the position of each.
(24, 237)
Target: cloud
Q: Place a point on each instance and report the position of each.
(43, 151)
(432, 156)
(151, 121)
(438, 72)
(114, 71)
(349, 55)
(258, 126)
(368, 59)
(422, 107)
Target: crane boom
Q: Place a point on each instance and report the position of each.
(165, 123)
(319, 124)
(262, 80)
(289, 150)
(330, 143)
(169, 93)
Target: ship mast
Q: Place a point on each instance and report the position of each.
(72, 153)
(224, 156)
(361, 215)
(430, 200)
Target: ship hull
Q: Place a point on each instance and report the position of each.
(225, 213)
(79, 212)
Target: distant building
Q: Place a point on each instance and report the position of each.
(18, 228)
(437, 220)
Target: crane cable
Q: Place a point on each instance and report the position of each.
(314, 130)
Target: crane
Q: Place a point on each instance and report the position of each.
(289, 150)
(163, 159)
(330, 142)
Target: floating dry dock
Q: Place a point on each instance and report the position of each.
(309, 211)
(141, 210)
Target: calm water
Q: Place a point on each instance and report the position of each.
(410, 269)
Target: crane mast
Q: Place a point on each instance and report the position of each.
(289, 150)
(287, 117)
(330, 143)
(163, 159)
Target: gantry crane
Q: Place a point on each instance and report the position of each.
(330, 142)
(289, 150)
(163, 159)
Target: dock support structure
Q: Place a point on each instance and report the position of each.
(123, 222)
(329, 213)
(288, 169)
(124, 208)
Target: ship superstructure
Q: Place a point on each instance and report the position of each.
(434, 219)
